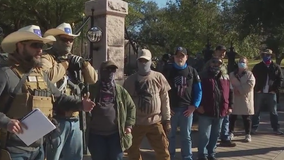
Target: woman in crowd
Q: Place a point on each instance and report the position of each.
(243, 82)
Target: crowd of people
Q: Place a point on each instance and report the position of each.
(149, 104)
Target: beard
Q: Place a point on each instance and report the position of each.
(62, 48)
(32, 60)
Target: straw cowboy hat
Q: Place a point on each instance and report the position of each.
(267, 51)
(64, 28)
(31, 32)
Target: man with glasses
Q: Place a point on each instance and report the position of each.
(24, 87)
(220, 52)
(269, 77)
(217, 101)
(65, 70)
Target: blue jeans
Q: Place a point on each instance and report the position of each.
(66, 144)
(225, 135)
(105, 147)
(271, 100)
(208, 132)
(26, 155)
(185, 123)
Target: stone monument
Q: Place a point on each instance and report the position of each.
(109, 15)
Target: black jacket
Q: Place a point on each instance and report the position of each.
(260, 72)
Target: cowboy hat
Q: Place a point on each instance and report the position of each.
(31, 32)
(64, 28)
(267, 51)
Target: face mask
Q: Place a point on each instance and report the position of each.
(242, 65)
(266, 58)
(215, 70)
(107, 76)
(144, 68)
(61, 47)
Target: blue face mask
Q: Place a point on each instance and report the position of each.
(242, 65)
(266, 58)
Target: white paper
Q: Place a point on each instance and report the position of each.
(38, 126)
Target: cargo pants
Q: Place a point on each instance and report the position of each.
(156, 137)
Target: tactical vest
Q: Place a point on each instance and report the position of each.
(35, 94)
(64, 88)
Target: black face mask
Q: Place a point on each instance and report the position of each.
(214, 70)
(107, 75)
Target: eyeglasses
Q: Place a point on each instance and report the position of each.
(64, 39)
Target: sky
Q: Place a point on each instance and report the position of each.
(161, 3)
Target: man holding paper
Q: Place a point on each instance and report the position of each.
(23, 88)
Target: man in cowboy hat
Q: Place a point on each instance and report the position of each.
(24, 87)
(61, 66)
(269, 77)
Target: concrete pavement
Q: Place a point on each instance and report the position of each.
(264, 146)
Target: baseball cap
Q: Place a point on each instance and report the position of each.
(145, 54)
(181, 49)
(220, 47)
(107, 64)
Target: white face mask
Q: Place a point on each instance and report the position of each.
(242, 65)
(144, 68)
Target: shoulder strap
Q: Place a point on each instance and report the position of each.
(14, 93)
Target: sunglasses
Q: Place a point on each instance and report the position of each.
(266, 55)
(64, 39)
(216, 62)
(35, 45)
(110, 69)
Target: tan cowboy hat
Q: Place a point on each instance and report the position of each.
(267, 51)
(31, 32)
(64, 28)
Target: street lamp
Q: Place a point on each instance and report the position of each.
(94, 34)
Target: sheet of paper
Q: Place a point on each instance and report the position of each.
(38, 126)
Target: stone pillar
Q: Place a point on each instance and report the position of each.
(110, 17)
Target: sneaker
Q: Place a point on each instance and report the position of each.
(253, 131)
(212, 158)
(248, 138)
(227, 144)
(232, 136)
(278, 132)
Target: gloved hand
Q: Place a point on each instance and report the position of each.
(75, 62)
(167, 126)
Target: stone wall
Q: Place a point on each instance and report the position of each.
(110, 17)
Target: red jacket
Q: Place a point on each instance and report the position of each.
(217, 95)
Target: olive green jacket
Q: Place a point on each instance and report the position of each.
(126, 112)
